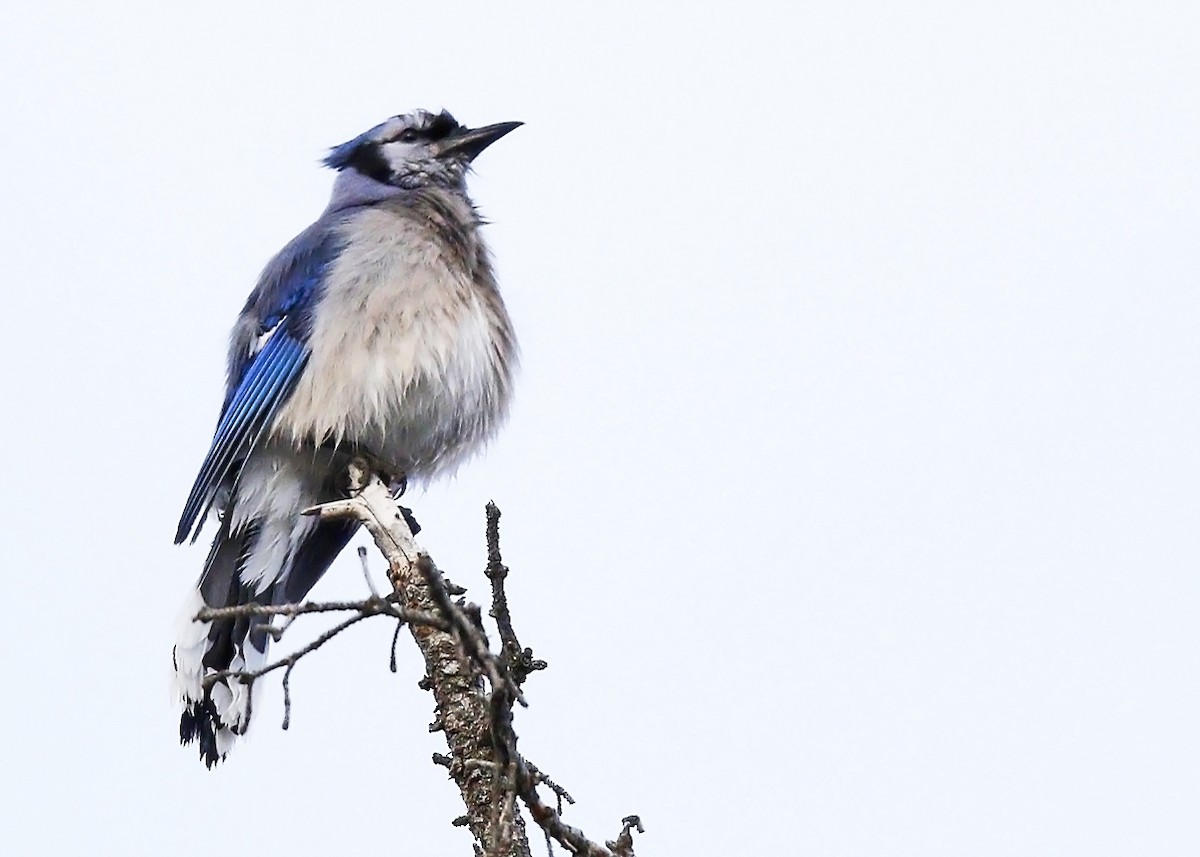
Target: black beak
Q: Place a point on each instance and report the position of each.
(468, 142)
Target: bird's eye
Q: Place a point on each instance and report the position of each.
(408, 135)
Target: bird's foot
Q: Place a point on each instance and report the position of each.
(397, 482)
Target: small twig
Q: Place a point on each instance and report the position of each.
(496, 572)
(249, 676)
(623, 846)
(370, 606)
(539, 778)
(366, 570)
(518, 662)
(395, 641)
(572, 838)
(287, 696)
(443, 760)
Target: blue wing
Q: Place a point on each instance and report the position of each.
(279, 314)
(268, 379)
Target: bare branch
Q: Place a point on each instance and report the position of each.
(453, 659)
(474, 688)
(370, 606)
(574, 839)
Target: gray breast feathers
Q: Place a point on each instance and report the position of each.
(412, 351)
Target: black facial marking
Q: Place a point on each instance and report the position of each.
(369, 161)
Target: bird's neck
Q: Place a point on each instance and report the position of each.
(352, 188)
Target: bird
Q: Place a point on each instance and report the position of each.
(378, 331)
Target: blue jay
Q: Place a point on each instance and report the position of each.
(379, 330)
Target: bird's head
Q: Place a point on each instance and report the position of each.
(417, 149)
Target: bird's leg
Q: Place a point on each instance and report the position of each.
(374, 465)
(397, 484)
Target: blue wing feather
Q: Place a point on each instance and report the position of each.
(268, 380)
(281, 309)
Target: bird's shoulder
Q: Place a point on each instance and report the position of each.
(284, 292)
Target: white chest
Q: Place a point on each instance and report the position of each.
(404, 352)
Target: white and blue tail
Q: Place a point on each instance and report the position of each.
(265, 552)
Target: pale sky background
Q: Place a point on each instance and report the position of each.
(853, 483)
